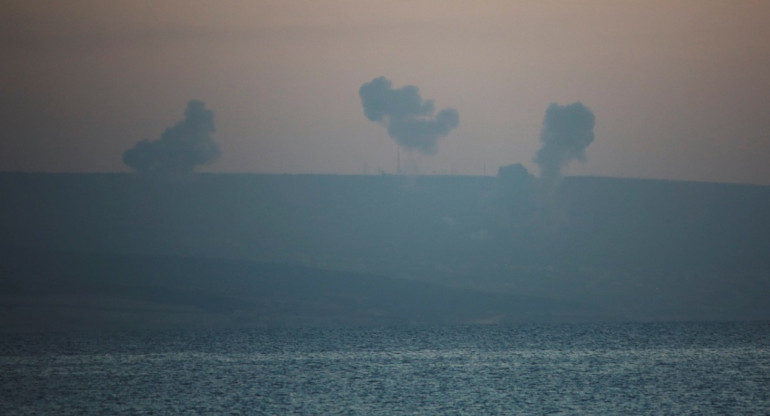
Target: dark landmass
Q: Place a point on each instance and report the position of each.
(118, 250)
(104, 291)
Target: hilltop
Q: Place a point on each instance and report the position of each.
(600, 248)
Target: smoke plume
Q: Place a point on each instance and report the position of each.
(567, 132)
(181, 147)
(410, 121)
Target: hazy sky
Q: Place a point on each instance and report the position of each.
(679, 89)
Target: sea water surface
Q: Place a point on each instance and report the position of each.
(575, 369)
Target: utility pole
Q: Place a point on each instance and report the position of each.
(398, 159)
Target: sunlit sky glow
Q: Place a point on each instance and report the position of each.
(680, 89)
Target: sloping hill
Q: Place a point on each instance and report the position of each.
(632, 249)
(390, 219)
(50, 290)
(669, 224)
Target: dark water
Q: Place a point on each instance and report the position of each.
(625, 369)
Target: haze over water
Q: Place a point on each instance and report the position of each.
(345, 207)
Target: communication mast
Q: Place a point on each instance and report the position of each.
(398, 159)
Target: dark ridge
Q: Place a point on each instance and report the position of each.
(45, 290)
(633, 249)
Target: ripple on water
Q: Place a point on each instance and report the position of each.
(557, 369)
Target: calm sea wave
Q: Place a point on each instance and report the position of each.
(624, 369)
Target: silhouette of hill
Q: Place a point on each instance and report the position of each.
(54, 291)
(630, 248)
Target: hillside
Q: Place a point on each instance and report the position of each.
(625, 249)
(44, 290)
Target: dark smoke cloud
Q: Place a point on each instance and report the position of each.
(410, 121)
(567, 132)
(181, 148)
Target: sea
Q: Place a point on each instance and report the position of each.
(680, 368)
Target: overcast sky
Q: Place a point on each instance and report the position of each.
(679, 89)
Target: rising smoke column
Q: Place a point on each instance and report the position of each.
(180, 148)
(410, 121)
(567, 132)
